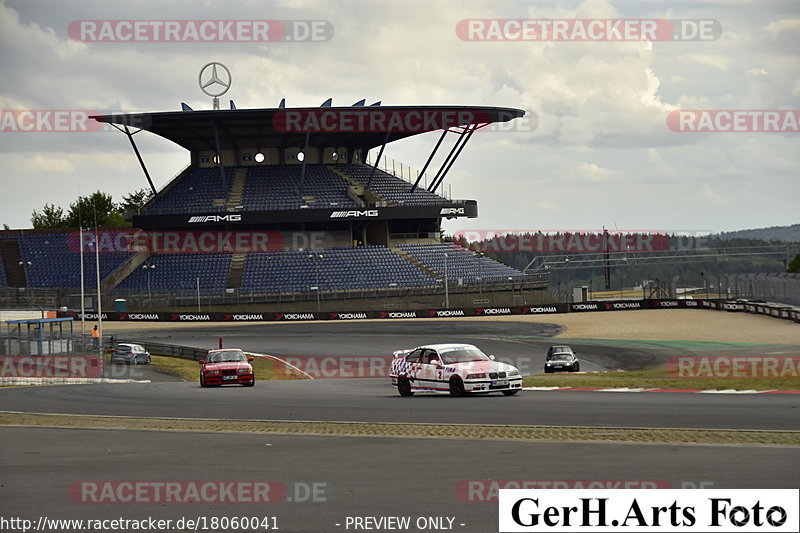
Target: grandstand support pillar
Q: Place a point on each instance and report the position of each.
(378, 159)
(428, 162)
(462, 141)
(219, 155)
(130, 135)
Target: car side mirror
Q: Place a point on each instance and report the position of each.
(201, 362)
(491, 357)
(250, 359)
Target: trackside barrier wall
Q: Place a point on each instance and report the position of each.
(773, 310)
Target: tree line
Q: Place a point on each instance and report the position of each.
(97, 209)
(515, 251)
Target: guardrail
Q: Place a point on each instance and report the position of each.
(168, 350)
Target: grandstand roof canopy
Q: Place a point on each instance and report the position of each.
(365, 127)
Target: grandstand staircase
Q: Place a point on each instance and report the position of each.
(237, 190)
(357, 191)
(125, 269)
(237, 271)
(15, 272)
(417, 263)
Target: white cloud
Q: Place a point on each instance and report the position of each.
(602, 106)
(51, 165)
(780, 26)
(592, 172)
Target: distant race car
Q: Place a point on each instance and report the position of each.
(554, 350)
(226, 367)
(562, 362)
(132, 354)
(455, 368)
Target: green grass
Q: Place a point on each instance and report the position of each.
(189, 370)
(657, 379)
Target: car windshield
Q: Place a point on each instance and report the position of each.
(562, 349)
(561, 357)
(232, 356)
(462, 355)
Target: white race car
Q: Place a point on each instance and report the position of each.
(454, 368)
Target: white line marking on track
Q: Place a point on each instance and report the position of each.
(66, 381)
(730, 391)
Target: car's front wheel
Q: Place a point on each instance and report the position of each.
(456, 387)
(148, 360)
(251, 383)
(134, 361)
(510, 392)
(404, 387)
(203, 381)
(576, 368)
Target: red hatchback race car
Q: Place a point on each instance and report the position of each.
(226, 367)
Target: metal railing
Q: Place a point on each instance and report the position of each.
(189, 299)
(780, 288)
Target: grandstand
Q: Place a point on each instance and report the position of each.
(334, 222)
(49, 259)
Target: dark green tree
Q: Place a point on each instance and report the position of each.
(794, 265)
(134, 201)
(99, 209)
(50, 217)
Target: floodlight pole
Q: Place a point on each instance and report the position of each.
(99, 296)
(606, 263)
(446, 288)
(219, 156)
(303, 168)
(83, 299)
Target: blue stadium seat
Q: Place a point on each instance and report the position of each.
(461, 263)
(368, 267)
(3, 279)
(55, 264)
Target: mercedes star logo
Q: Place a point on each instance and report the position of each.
(214, 79)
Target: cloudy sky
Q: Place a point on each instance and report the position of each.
(598, 153)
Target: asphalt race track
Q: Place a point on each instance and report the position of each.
(355, 476)
(374, 476)
(374, 400)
